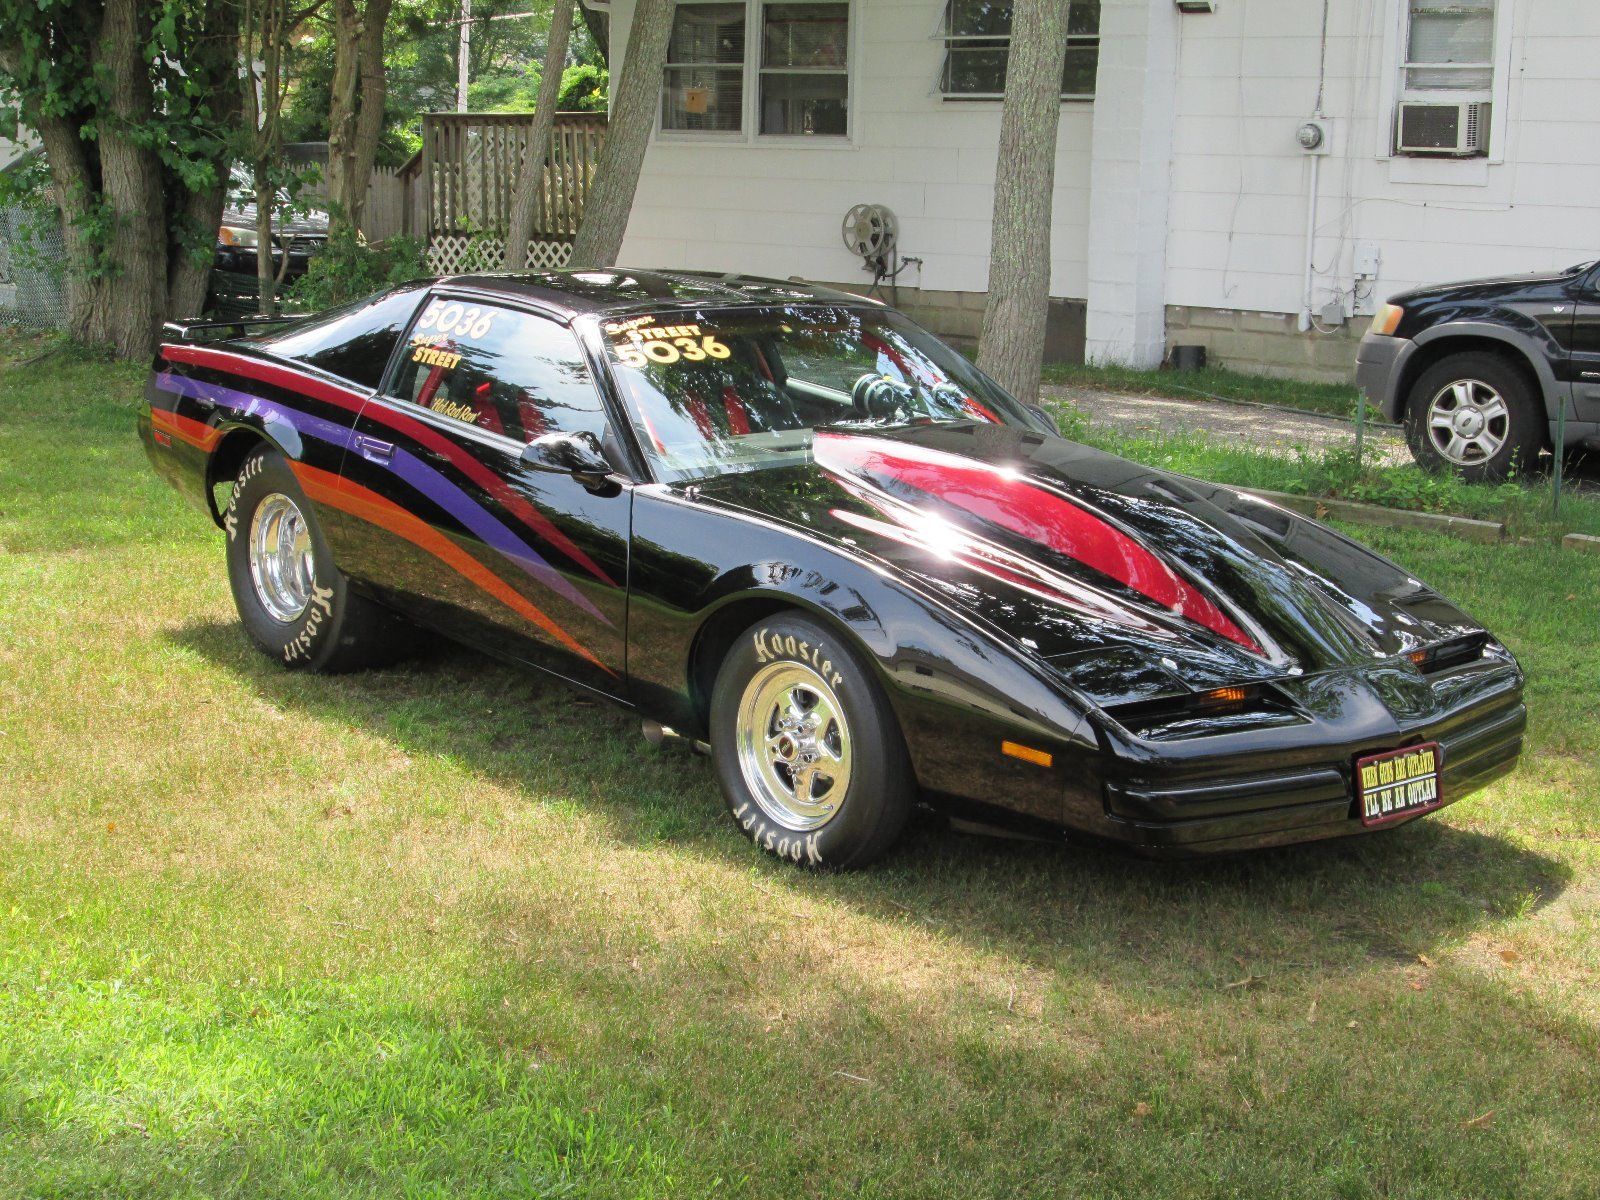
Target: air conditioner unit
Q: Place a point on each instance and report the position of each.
(1455, 130)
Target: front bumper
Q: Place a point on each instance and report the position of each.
(1380, 368)
(1172, 811)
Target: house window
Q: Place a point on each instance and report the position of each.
(978, 45)
(1450, 47)
(796, 63)
(703, 90)
(805, 76)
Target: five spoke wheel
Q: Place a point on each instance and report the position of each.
(281, 560)
(1468, 422)
(794, 746)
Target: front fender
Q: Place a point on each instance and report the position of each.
(1530, 340)
(702, 573)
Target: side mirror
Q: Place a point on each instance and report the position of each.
(1045, 415)
(576, 454)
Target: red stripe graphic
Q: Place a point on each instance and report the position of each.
(1003, 498)
(196, 433)
(351, 400)
(328, 488)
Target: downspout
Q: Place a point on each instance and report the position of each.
(1307, 299)
(1309, 283)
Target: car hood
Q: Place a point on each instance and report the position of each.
(1489, 285)
(1132, 582)
(313, 224)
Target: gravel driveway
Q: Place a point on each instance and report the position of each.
(1276, 430)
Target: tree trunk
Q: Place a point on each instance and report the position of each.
(519, 228)
(88, 290)
(215, 67)
(633, 116)
(1011, 346)
(599, 30)
(132, 181)
(343, 97)
(355, 107)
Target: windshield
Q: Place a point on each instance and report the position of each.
(717, 390)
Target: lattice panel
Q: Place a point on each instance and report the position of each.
(457, 254)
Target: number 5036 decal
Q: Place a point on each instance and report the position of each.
(450, 316)
(640, 343)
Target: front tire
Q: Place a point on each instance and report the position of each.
(1477, 415)
(807, 750)
(295, 605)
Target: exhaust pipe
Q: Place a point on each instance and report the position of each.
(658, 734)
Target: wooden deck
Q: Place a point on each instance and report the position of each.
(460, 184)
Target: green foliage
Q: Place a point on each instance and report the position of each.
(349, 268)
(584, 88)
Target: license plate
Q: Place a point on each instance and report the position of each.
(1399, 783)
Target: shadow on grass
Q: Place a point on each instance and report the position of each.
(1322, 908)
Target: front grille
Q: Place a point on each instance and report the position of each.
(1477, 745)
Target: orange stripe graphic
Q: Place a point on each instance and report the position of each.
(328, 488)
(196, 433)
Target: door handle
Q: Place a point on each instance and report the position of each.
(374, 449)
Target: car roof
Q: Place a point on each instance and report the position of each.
(619, 290)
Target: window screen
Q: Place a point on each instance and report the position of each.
(509, 372)
(805, 81)
(703, 87)
(978, 46)
(1450, 45)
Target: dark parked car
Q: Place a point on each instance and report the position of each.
(235, 288)
(788, 524)
(1478, 372)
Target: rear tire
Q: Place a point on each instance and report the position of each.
(1475, 414)
(294, 603)
(806, 748)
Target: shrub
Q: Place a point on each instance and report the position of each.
(348, 268)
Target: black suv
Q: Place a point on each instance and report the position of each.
(1478, 372)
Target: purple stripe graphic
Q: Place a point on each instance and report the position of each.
(409, 468)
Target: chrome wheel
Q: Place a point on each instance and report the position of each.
(280, 557)
(1468, 422)
(794, 746)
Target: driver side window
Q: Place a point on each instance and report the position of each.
(499, 369)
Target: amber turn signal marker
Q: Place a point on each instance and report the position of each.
(1418, 657)
(1227, 695)
(1387, 319)
(1039, 758)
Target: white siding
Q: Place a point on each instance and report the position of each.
(1248, 77)
(1235, 238)
(776, 210)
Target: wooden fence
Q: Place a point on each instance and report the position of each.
(460, 184)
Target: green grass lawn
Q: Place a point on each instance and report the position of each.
(444, 931)
(1525, 505)
(1212, 383)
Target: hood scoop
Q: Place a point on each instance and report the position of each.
(1023, 527)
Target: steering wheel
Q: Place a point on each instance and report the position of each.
(877, 395)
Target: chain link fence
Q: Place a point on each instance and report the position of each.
(33, 258)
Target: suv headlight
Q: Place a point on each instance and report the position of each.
(1387, 320)
(237, 236)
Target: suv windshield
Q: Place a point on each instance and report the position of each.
(715, 390)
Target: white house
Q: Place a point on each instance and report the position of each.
(1186, 208)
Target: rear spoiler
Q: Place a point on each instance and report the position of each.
(200, 329)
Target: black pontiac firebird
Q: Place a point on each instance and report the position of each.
(789, 523)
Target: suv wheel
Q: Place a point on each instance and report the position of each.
(1477, 415)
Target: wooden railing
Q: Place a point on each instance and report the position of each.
(461, 182)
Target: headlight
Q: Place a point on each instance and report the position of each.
(238, 236)
(1388, 320)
